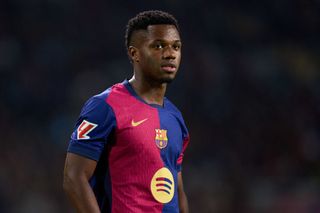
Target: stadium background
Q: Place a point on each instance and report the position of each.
(248, 87)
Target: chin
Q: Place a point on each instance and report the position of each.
(167, 80)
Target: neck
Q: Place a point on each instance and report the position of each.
(150, 92)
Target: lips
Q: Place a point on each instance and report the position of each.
(169, 67)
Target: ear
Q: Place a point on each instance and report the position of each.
(133, 54)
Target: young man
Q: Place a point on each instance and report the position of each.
(126, 151)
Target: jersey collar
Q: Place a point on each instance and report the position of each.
(133, 93)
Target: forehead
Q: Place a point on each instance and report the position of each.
(163, 32)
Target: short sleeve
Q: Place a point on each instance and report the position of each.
(94, 125)
(185, 133)
(180, 158)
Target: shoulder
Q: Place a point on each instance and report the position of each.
(177, 114)
(105, 102)
(97, 103)
(102, 97)
(171, 107)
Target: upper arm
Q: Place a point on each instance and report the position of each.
(183, 201)
(180, 183)
(77, 166)
(77, 173)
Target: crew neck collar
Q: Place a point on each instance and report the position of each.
(129, 87)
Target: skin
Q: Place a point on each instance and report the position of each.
(183, 201)
(155, 54)
(150, 52)
(77, 172)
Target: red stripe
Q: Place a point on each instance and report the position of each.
(129, 181)
(185, 144)
(160, 178)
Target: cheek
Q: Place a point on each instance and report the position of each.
(152, 60)
(179, 57)
(149, 64)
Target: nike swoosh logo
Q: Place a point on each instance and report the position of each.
(134, 124)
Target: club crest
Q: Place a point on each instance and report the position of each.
(161, 138)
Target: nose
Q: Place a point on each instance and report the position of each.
(169, 53)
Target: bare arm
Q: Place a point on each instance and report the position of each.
(77, 172)
(183, 201)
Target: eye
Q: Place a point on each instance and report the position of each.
(177, 46)
(158, 46)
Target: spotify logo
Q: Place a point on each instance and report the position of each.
(162, 185)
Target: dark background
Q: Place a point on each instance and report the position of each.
(249, 89)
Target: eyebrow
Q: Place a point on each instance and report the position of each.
(161, 40)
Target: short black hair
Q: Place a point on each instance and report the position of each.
(151, 17)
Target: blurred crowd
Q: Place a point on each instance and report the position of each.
(249, 89)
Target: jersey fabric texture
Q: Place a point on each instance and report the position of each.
(139, 149)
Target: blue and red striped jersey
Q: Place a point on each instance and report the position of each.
(139, 149)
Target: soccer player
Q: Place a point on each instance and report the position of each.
(126, 151)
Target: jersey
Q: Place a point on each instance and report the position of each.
(138, 148)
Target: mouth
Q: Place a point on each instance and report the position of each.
(169, 67)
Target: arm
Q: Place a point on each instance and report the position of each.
(77, 172)
(183, 202)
